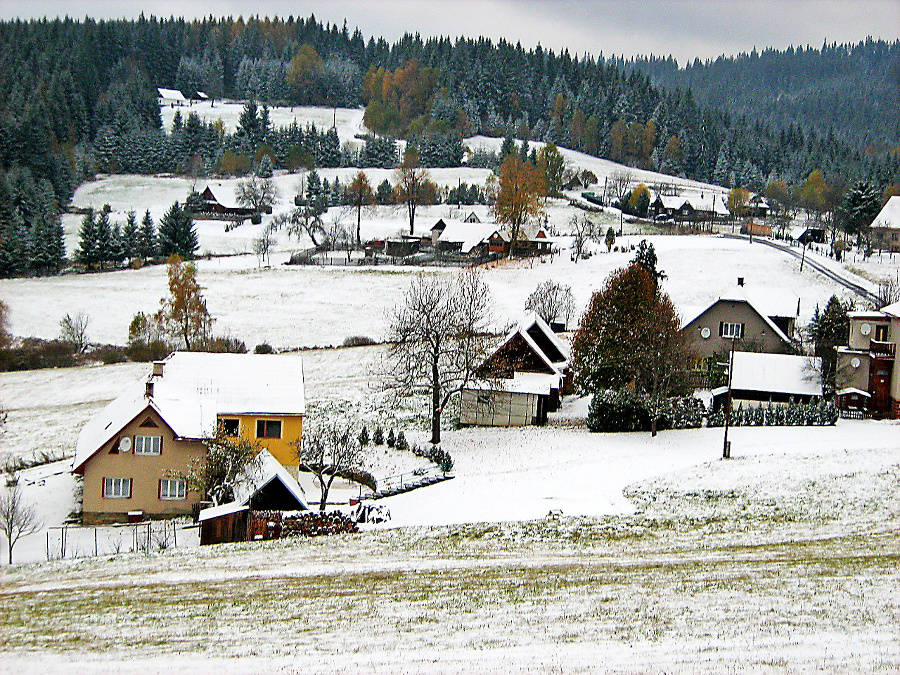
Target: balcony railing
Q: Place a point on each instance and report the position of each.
(882, 349)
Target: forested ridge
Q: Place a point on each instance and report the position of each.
(853, 89)
(78, 97)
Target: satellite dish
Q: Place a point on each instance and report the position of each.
(704, 333)
(865, 329)
(854, 362)
(125, 444)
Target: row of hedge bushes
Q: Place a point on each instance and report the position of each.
(613, 411)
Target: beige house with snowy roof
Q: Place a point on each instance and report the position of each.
(135, 453)
(761, 319)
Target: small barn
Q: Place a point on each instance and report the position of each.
(264, 486)
(521, 381)
(171, 97)
(512, 402)
(211, 208)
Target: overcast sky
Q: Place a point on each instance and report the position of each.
(684, 28)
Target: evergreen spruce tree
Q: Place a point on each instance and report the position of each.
(104, 237)
(378, 436)
(329, 150)
(130, 236)
(400, 443)
(391, 439)
(88, 253)
(363, 437)
(146, 242)
(177, 234)
(116, 246)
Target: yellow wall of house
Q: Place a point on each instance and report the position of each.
(145, 472)
(281, 448)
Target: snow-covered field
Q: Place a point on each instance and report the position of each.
(553, 550)
(290, 306)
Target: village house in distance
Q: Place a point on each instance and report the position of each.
(132, 453)
(866, 376)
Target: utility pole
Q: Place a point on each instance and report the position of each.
(726, 447)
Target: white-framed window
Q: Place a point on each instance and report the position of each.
(172, 488)
(147, 445)
(730, 330)
(117, 488)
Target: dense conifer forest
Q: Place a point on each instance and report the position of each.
(78, 97)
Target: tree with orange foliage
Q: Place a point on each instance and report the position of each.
(359, 194)
(520, 195)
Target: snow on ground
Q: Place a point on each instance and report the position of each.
(347, 121)
(290, 306)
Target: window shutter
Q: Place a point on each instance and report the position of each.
(721, 328)
(159, 489)
(741, 332)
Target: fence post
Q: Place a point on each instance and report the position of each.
(95, 542)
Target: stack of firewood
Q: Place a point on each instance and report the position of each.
(314, 524)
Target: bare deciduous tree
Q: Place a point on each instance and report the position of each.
(552, 301)
(583, 229)
(439, 338)
(262, 245)
(227, 462)
(257, 193)
(327, 453)
(73, 329)
(17, 518)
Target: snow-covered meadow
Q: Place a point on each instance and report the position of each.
(552, 549)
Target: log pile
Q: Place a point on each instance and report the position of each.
(315, 524)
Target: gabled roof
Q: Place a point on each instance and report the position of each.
(172, 94)
(775, 304)
(531, 329)
(893, 310)
(777, 373)
(261, 474)
(195, 389)
(889, 216)
(469, 235)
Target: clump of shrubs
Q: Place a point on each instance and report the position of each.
(613, 411)
(263, 348)
(33, 353)
(357, 341)
(400, 443)
(378, 436)
(434, 454)
(363, 437)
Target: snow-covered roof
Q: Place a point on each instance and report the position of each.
(469, 235)
(221, 510)
(672, 202)
(889, 216)
(766, 302)
(259, 473)
(893, 310)
(171, 94)
(530, 385)
(195, 388)
(853, 390)
(528, 321)
(777, 373)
